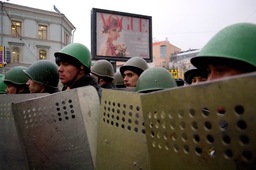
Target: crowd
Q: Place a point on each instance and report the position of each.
(230, 52)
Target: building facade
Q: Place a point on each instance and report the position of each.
(162, 52)
(180, 62)
(29, 34)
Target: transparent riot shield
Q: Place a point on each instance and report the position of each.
(59, 131)
(12, 155)
(207, 126)
(121, 139)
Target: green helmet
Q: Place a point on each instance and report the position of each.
(234, 45)
(2, 85)
(1, 75)
(193, 72)
(16, 76)
(118, 80)
(103, 68)
(44, 72)
(154, 79)
(135, 64)
(76, 54)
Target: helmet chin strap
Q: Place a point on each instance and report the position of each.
(70, 84)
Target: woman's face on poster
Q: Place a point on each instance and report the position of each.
(114, 33)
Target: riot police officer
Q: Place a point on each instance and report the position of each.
(15, 80)
(194, 75)
(43, 77)
(230, 52)
(132, 70)
(154, 79)
(74, 61)
(2, 85)
(118, 80)
(103, 71)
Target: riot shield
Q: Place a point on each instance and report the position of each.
(59, 131)
(121, 139)
(207, 126)
(12, 155)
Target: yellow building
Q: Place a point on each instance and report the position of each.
(162, 51)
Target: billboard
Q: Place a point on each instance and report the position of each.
(2, 56)
(119, 36)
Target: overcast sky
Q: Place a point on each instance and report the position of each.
(185, 23)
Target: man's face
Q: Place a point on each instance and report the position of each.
(10, 89)
(34, 87)
(67, 72)
(130, 78)
(221, 71)
(197, 79)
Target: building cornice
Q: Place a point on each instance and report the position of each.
(16, 43)
(34, 13)
(43, 46)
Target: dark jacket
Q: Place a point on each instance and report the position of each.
(85, 81)
(51, 90)
(108, 86)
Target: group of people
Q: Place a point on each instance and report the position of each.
(40, 77)
(230, 52)
(71, 67)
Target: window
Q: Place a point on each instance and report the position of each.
(15, 55)
(16, 28)
(8, 56)
(164, 64)
(163, 51)
(42, 54)
(42, 32)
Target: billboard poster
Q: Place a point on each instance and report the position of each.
(118, 36)
(1, 56)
